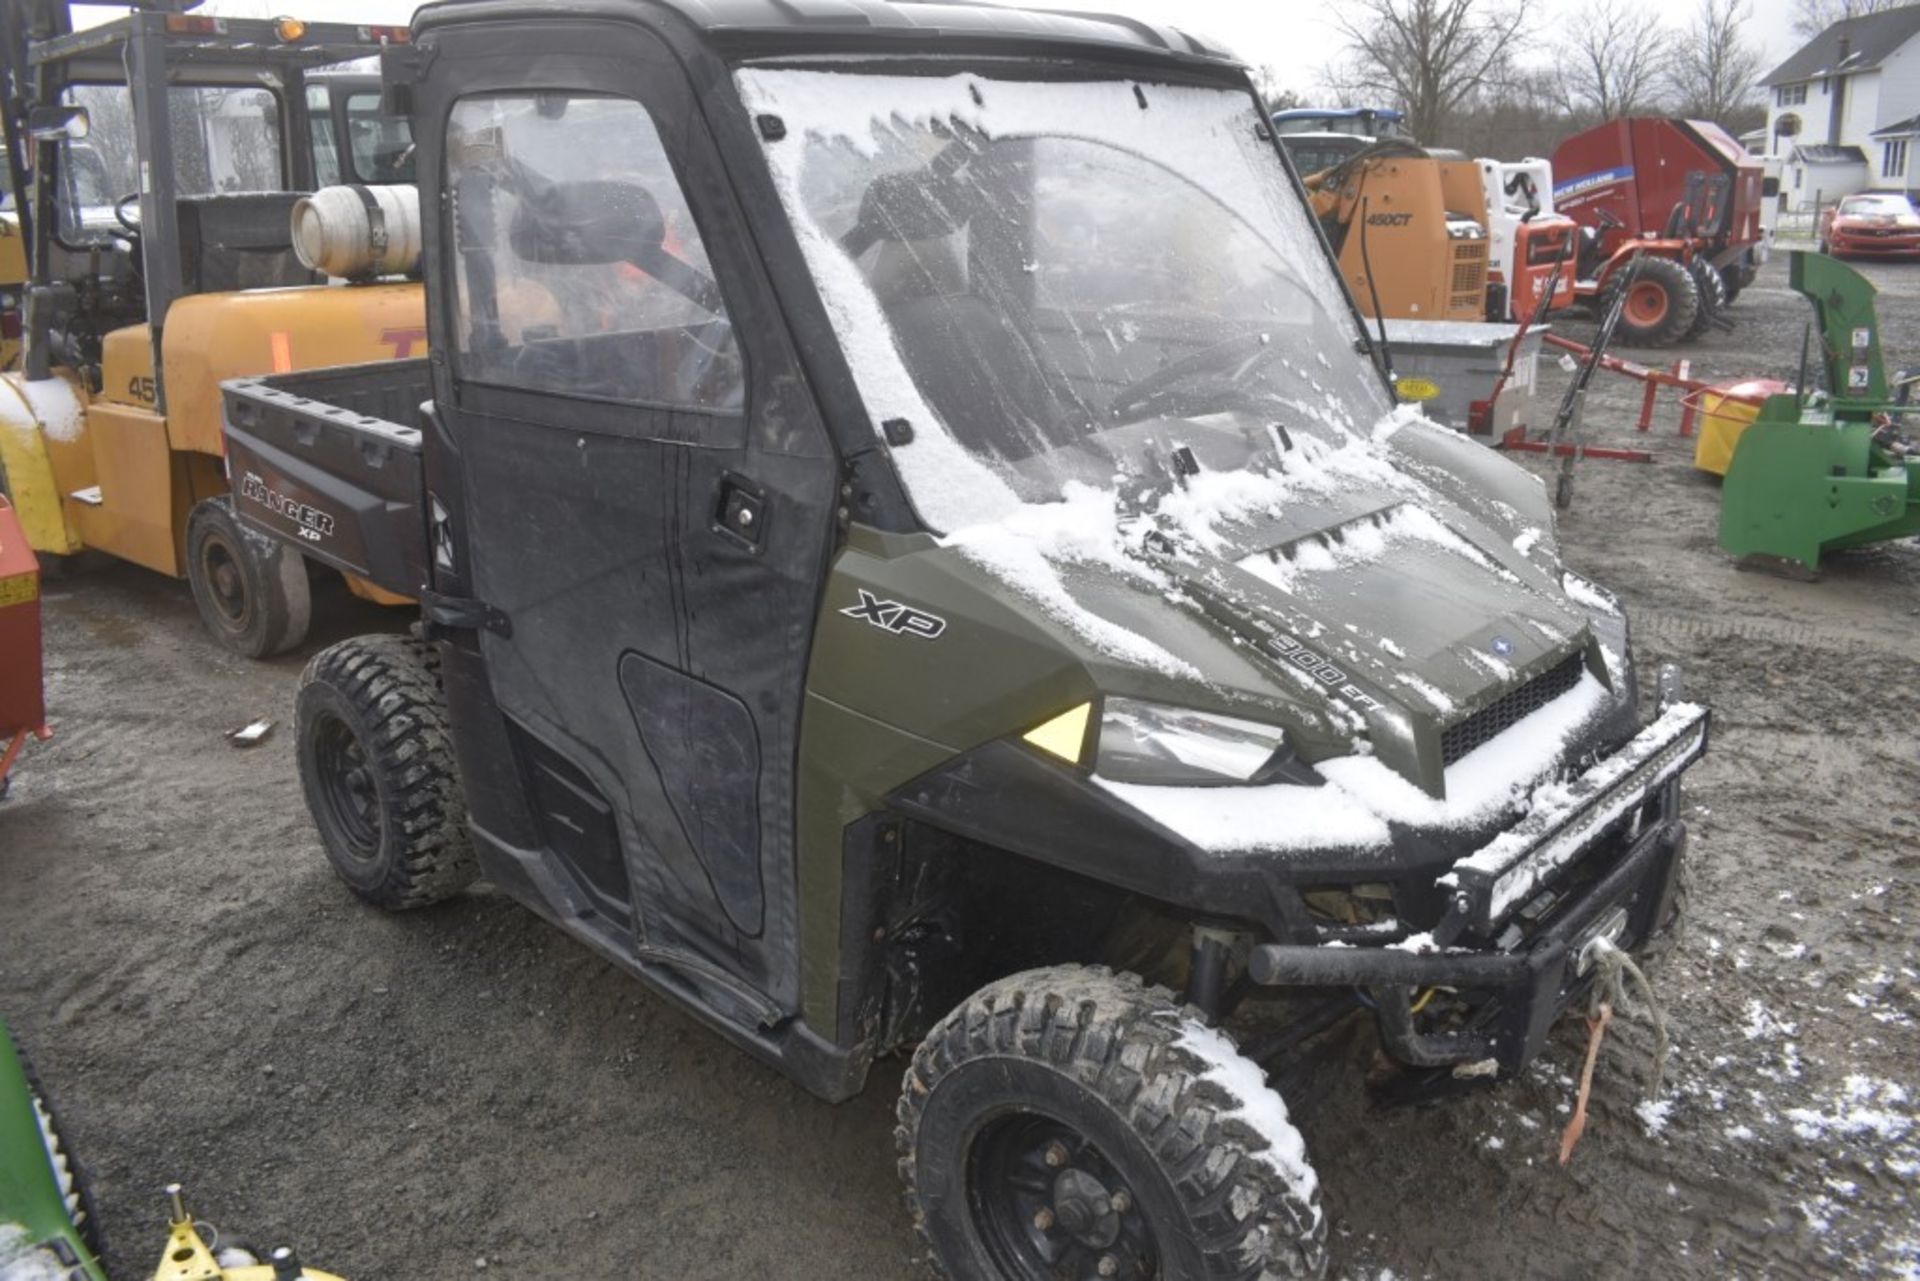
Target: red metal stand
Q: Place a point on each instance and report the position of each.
(1681, 376)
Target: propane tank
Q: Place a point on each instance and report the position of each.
(356, 232)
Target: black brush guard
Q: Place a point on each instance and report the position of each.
(1629, 799)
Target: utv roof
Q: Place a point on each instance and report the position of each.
(880, 25)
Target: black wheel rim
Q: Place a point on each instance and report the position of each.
(226, 582)
(347, 790)
(1050, 1205)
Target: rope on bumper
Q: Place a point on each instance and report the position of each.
(1610, 991)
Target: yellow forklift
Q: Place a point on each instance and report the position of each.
(156, 163)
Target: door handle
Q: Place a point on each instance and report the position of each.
(740, 514)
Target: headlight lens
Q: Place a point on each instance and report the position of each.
(1174, 747)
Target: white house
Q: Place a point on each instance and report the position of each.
(1844, 111)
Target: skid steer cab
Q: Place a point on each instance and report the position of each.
(162, 238)
(914, 555)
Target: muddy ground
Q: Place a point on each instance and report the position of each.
(464, 1091)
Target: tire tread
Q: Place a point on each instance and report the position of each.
(392, 685)
(1118, 1037)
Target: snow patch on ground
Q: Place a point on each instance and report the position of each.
(1654, 1114)
(1864, 1106)
(22, 1260)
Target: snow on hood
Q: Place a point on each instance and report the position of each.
(1362, 796)
(1036, 547)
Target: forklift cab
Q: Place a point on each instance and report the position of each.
(199, 133)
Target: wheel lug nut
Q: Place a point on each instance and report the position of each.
(1056, 1155)
(1043, 1219)
(1122, 1202)
(1109, 1266)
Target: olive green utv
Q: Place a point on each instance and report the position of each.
(916, 553)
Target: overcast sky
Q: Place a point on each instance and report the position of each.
(1293, 36)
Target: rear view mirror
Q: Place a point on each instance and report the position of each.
(58, 124)
(588, 223)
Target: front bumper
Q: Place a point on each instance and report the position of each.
(1615, 830)
(1900, 245)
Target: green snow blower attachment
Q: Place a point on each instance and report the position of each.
(1828, 470)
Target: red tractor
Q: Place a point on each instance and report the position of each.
(1682, 196)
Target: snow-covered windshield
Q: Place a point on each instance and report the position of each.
(1060, 284)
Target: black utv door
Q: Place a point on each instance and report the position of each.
(635, 493)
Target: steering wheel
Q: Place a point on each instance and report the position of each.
(120, 212)
(1142, 391)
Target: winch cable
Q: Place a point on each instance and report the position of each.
(1609, 992)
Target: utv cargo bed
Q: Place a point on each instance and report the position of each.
(325, 458)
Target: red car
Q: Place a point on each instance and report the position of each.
(1873, 224)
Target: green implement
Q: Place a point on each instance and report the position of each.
(41, 1210)
(1822, 472)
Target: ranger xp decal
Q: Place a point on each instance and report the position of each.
(892, 616)
(313, 524)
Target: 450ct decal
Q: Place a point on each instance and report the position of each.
(892, 616)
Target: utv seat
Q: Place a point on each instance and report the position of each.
(976, 370)
(242, 241)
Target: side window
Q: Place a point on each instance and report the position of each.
(326, 151)
(381, 146)
(578, 269)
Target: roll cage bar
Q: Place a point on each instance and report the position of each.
(158, 45)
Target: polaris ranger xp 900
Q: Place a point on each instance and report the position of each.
(917, 553)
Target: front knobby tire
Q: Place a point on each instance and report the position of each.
(1075, 1122)
(377, 765)
(1663, 301)
(251, 590)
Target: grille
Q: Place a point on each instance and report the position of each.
(1469, 276)
(1463, 736)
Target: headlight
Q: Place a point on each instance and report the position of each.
(1174, 747)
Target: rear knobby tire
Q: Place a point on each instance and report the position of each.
(1132, 1093)
(377, 766)
(1663, 302)
(1712, 288)
(251, 589)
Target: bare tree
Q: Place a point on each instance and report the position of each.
(1811, 17)
(1715, 70)
(1612, 60)
(1429, 56)
(1277, 97)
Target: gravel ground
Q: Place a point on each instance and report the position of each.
(464, 1091)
